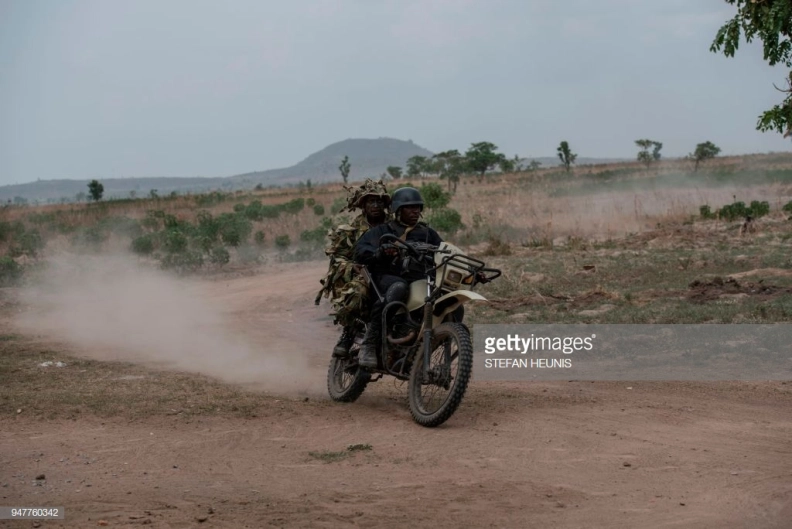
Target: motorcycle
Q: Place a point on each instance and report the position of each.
(424, 340)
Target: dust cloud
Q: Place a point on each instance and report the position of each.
(113, 308)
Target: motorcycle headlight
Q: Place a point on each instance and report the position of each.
(453, 277)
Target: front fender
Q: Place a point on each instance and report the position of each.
(450, 302)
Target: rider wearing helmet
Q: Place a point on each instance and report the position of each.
(407, 205)
(348, 291)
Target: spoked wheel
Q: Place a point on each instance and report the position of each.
(346, 380)
(435, 395)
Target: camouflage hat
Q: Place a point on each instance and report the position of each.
(355, 195)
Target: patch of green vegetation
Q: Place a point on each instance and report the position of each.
(329, 457)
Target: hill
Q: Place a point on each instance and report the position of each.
(367, 158)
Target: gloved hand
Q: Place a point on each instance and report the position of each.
(386, 251)
(481, 277)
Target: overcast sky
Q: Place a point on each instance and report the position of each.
(112, 88)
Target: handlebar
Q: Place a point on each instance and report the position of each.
(392, 239)
(423, 250)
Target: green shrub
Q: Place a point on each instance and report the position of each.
(10, 271)
(706, 212)
(318, 209)
(446, 220)
(208, 227)
(733, 211)
(253, 211)
(259, 238)
(234, 229)
(18, 228)
(294, 206)
(172, 222)
(174, 241)
(787, 207)
(434, 196)
(30, 242)
(6, 230)
(219, 255)
(143, 245)
(760, 209)
(282, 241)
(310, 202)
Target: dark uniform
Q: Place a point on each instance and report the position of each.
(392, 282)
(367, 245)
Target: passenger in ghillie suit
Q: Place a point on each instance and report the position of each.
(343, 285)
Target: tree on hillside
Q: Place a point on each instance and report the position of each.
(644, 155)
(417, 166)
(394, 172)
(704, 151)
(481, 157)
(771, 22)
(566, 155)
(344, 168)
(95, 190)
(534, 165)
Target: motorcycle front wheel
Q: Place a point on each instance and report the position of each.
(436, 393)
(346, 380)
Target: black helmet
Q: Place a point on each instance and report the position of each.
(405, 196)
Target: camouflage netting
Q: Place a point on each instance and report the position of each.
(355, 195)
(342, 285)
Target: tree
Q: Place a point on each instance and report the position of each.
(534, 165)
(450, 165)
(95, 190)
(506, 165)
(417, 166)
(394, 172)
(771, 22)
(344, 168)
(481, 157)
(517, 163)
(566, 155)
(644, 155)
(704, 151)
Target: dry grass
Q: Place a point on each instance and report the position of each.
(610, 257)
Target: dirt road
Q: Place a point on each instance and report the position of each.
(571, 454)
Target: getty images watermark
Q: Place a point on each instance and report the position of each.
(632, 352)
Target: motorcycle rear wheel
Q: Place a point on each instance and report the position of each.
(436, 396)
(346, 381)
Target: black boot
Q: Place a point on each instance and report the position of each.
(368, 349)
(341, 349)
